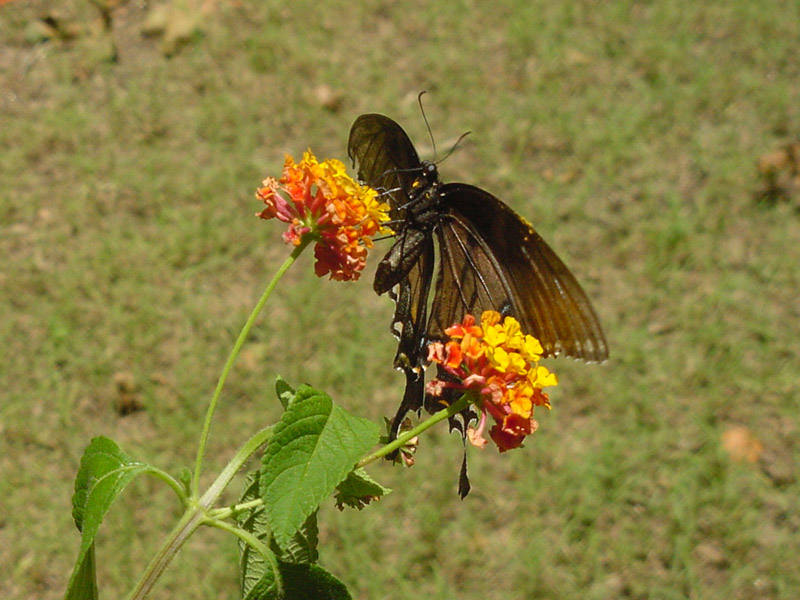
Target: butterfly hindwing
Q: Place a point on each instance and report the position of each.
(470, 278)
(411, 308)
(408, 326)
(528, 279)
(400, 259)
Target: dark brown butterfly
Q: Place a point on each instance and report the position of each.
(489, 258)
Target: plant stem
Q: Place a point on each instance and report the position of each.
(224, 478)
(229, 511)
(171, 482)
(451, 410)
(190, 521)
(201, 450)
(196, 515)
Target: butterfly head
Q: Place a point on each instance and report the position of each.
(429, 172)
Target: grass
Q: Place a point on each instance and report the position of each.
(627, 132)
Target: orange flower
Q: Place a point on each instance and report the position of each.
(322, 201)
(498, 363)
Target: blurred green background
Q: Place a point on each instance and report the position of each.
(651, 143)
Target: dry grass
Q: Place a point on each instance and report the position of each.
(629, 133)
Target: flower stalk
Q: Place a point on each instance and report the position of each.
(232, 358)
(403, 438)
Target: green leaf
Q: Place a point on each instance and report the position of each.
(185, 477)
(83, 583)
(301, 582)
(358, 490)
(302, 547)
(285, 392)
(104, 472)
(264, 589)
(312, 449)
(254, 572)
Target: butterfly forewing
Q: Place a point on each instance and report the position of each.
(385, 158)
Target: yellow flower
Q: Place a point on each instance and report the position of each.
(542, 377)
(532, 348)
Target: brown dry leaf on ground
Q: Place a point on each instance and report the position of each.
(742, 445)
(177, 22)
(780, 173)
(128, 400)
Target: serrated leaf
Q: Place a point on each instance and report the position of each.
(255, 576)
(264, 589)
(302, 582)
(104, 472)
(284, 391)
(302, 547)
(312, 449)
(254, 573)
(358, 490)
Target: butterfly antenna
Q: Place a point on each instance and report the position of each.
(428, 125)
(453, 149)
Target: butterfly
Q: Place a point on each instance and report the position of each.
(489, 258)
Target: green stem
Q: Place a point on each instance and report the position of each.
(201, 450)
(196, 516)
(451, 410)
(230, 511)
(190, 521)
(171, 482)
(224, 478)
(196, 513)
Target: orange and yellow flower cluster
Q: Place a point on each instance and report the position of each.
(324, 202)
(496, 361)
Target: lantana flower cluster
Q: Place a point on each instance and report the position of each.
(321, 200)
(500, 364)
